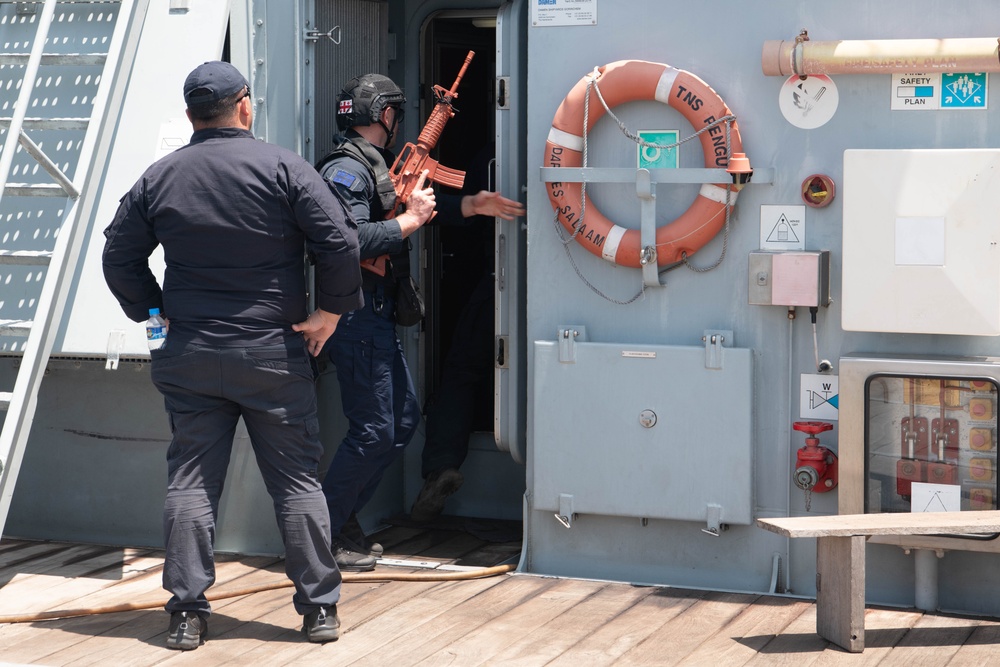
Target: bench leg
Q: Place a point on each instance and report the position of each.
(840, 591)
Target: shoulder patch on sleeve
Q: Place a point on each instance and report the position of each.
(345, 178)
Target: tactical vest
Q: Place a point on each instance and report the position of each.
(353, 145)
(396, 267)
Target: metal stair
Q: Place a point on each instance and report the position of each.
(56, 212)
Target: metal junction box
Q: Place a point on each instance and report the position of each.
(795, 278)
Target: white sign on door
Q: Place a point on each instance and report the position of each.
(545, 13)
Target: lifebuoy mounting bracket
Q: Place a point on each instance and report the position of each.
(645, 181)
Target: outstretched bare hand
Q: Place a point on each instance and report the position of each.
(492, 204)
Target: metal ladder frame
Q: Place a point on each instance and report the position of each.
(64, 259)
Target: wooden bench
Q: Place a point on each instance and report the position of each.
(840, 558)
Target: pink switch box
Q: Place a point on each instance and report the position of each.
(796, 279)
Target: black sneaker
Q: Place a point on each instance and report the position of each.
(322, 625)
(350, 557)
(437, 487)
(352, 531)
(187, 630)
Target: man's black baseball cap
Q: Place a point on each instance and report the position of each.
(212, 81)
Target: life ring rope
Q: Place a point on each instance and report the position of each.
(708, 190)
(592, 81)
(636, 80)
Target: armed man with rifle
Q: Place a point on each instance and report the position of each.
(390, 199)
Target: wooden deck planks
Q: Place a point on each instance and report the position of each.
(428, 639)
(498, 633)
(48, 590)
(521, 621)
(630, 628)
(738, 641)
(12, 557)
(932, 641)
(452, 548)
(363, 628)
(28, 648)
(797, 645)
(147, 632)
(548, 641)
(358, 601)
(695, 625)
(48, 560)
(884, 629)
(980, 648)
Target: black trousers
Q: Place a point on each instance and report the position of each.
(206, 390)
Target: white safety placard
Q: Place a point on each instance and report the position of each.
(915, 92)
(936, 497)
(545, 13)
(782, 227)
(820, 398)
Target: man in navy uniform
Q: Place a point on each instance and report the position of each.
(234, 216)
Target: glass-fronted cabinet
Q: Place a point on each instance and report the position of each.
(930, 443)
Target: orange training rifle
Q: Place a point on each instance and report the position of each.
(413, 160)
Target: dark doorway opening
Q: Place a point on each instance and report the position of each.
(458, 257)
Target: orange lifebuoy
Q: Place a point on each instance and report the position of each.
(627, 81)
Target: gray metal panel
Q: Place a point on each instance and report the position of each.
(589, 443)
(361, 27)
(93, 473)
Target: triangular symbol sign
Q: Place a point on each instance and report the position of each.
(782, 232)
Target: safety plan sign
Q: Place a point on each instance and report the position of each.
(954, 90)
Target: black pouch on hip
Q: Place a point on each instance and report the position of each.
(409, 300)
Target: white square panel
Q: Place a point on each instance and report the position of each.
(920, 241)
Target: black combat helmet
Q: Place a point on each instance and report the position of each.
(364, 97)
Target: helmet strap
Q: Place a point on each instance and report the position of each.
(389, 132)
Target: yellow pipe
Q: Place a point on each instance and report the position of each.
(349, 577)
(879, 56)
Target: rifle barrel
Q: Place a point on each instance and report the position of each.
(454, 87)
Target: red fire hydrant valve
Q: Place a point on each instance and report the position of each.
(815, 465)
